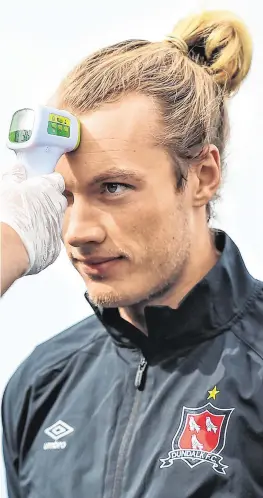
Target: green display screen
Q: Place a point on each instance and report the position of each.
(21, 126)
(20, 136)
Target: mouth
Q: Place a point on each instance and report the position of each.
(98, 266)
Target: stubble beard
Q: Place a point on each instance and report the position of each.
(112, 298)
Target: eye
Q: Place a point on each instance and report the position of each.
(115, 188)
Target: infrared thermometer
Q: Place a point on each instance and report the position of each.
(41, 136)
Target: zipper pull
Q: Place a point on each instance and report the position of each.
(140, 371)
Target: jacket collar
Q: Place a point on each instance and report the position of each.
(206, 311)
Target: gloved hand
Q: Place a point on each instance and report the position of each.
(34, 208)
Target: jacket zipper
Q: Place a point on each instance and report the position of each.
(128, 431)
(140, 373)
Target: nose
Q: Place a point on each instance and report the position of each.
(82, 225)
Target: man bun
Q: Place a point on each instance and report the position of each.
(220, 42)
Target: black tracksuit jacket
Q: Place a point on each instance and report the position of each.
(103, 411)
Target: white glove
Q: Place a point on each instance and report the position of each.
(34, 208)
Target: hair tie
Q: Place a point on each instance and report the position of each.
(178, 43)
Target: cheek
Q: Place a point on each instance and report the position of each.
(157, 217)
(150, 228)
(160, 232)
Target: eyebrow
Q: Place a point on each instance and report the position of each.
(120, 173)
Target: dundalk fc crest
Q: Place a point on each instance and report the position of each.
(200, 437)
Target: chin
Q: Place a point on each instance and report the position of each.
(109, 296)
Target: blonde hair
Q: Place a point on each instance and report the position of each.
(190, 75)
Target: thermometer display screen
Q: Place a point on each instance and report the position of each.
(21, 126)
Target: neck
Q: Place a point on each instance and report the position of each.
(202, 258)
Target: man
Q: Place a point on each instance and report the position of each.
(159, 394)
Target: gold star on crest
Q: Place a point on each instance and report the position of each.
(213, 393)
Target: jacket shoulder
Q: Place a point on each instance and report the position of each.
(249, 327)
(67, 343)
(53, 354)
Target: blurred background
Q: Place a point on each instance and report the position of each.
(40, 42)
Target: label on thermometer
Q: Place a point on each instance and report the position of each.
(58, 125)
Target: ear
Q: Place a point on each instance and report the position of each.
(208, 177)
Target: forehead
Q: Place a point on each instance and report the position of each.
(134, 118)
(116, 133)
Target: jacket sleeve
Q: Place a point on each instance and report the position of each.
(14, 415)
(10, 450)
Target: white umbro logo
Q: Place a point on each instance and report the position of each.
(56, 432)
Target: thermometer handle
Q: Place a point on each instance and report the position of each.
(39, 160)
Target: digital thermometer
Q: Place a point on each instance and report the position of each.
(41, 136)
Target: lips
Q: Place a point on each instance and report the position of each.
(97, 261)
(99, 266)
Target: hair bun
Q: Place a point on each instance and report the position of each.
(219, 41)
